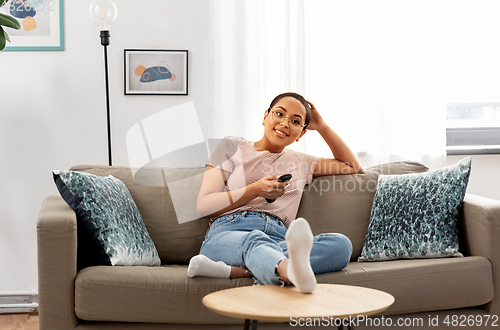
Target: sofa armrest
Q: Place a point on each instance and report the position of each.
(480, 232)
(57, 257)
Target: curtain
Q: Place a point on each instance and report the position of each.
(380, 72)
(258, 52)
(376, 72)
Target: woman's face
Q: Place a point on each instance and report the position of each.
(281, 134)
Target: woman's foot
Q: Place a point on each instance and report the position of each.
(200, 265)
(299, 239)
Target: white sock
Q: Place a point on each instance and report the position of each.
(299, 239)
(200, 265)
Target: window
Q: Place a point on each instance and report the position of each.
(473, 129)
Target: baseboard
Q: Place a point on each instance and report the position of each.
(18, 302)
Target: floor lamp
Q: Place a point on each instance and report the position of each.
(104, 13)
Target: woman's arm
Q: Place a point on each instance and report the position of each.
(344, 161)
(213, 200)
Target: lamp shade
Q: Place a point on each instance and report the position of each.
(103, 13)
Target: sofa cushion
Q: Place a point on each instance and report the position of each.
(416, 215)
(342, 203)
(110, 228)
(176, 242)
(167, 295)
(421, 285)
(143, 294)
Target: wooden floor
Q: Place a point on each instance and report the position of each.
(28, 321)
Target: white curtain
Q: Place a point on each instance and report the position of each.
(376, 72)
(380, 72)
(258, 53)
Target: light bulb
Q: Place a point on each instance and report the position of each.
(103, 13)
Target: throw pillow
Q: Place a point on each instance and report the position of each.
(110, 228)
(416, 215)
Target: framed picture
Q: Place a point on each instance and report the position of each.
(42, 25)
(156, 72)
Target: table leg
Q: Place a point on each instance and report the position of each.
(247, 324)
(350, 327)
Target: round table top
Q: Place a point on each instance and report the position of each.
(280, 304)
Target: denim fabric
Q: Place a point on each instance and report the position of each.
(256, 241)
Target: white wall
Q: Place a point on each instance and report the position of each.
(485, 175)
(52, 110)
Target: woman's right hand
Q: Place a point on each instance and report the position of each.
(213, 200)
(268, 187)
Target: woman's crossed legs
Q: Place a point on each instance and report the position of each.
(263, 246)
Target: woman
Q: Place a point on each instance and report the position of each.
(250, 236)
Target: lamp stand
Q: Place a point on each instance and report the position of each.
(105, 42)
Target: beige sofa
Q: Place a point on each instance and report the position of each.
(164, 297)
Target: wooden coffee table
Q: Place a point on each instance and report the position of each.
(287, 304)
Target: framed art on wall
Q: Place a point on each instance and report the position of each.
(42, 25)
(156, 72)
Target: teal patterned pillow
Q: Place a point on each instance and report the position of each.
(415, 215)
(110, 228)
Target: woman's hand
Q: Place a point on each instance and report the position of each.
(213, 200)
(268, 187)
(344, 161)
(317, 122)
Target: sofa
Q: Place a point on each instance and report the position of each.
(454, 289)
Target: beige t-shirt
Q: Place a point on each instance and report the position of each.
(245, 165)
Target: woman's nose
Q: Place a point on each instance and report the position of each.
(287, 119)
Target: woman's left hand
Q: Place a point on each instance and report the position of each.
(316, 120)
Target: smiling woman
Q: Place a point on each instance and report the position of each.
(290, 115)
(253, 227)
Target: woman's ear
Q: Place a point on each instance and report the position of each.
(266, 113)
(301, 134)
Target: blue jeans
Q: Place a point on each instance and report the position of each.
(256, 241)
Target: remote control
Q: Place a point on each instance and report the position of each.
(283, 178)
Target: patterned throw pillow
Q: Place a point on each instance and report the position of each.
(415, 215)
(110, 228)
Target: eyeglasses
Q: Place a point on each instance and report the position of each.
(294, 123)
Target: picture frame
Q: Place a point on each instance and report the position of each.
(42, 25)
(156, 72)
